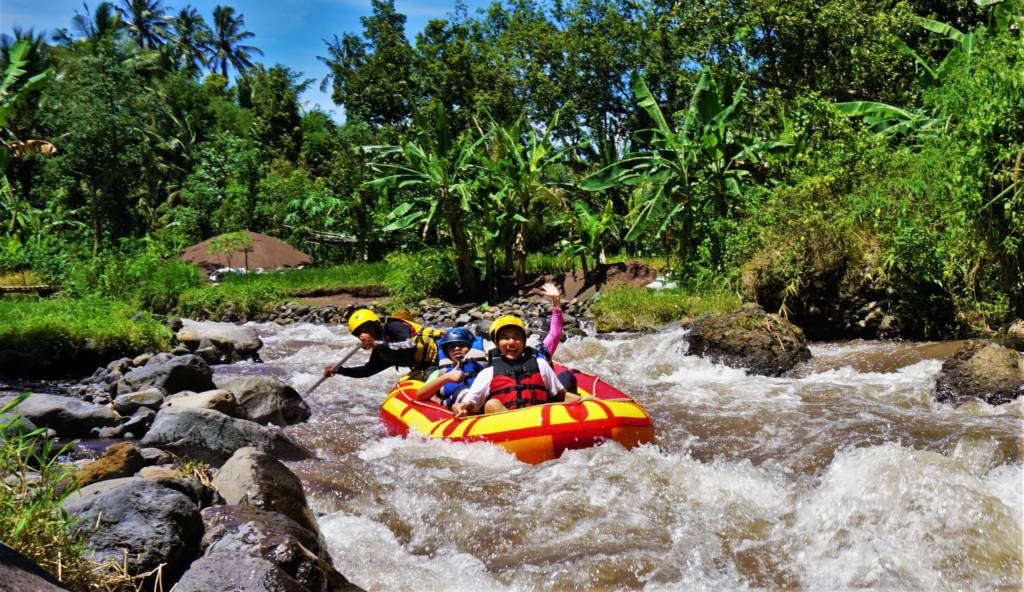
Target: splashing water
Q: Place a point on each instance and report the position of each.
(846, 475)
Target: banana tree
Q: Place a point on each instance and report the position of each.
(522, 166)
(439, 167)
(689, 172)
(591, 231)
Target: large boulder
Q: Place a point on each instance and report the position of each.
(179, 373)
(68, 416)
(129, 403)
(265, 399)
(212, 437)
(255, 550)
(762, 343)
(220, 342)
(981, 370)
(154, 524)
(217, 399)
(19, 574)
(254, 478)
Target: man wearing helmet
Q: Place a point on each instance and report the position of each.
(394, 342)
(516, 377)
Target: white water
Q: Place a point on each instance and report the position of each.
(845, 476)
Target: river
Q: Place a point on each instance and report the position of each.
(846, 475)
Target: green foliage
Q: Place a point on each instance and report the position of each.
(641, 309)
(414, 276)
(296, 282)
(240, 301)
(59, 327)
(33, 485)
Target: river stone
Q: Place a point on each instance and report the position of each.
(128, 403)
(248, 574)
(153, 523)
(70, 417)
(119, 460)
(761, 343)
(212, 437)
(140, 421)
(217, 399)
(265, 399)
(254, 478)
(180, 373)
(234, 343)
(20, 574)
(981, 370)
(236, 533)
(12, 424)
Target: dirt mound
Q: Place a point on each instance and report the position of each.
(573, 284)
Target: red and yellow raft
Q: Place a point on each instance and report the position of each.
(535, 434)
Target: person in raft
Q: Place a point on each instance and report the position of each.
(464, 357)
(516, 377)
(394, 341)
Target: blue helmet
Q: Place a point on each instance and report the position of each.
(455, 335)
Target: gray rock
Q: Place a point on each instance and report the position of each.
(180, 373)
(128, 403)
(265, 399)
(153, 523)
(981, 370)
(155, 456)
(233, 342)
(70, 417)
(254, 478)
(217, 399)
(749, 338)
(20, 574)
(139, 421)
(240, 574)
(212, 437)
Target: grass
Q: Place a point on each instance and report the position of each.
(20, 278)
(641, 309)
(300, 282)
(60, 327)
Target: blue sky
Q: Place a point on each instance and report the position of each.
(289, 32)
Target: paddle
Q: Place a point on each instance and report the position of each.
(334, 369)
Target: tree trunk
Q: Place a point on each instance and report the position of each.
(520, 253)
(463, 255)
(94, 210)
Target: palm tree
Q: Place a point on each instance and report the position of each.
(192, 40)
(147, 22)
(35, 55)
(229, 32)
(104, 23)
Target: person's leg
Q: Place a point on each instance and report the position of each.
(568, 380)
(494, 406)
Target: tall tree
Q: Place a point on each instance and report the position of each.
(373, 79)
(104, 24)
(147, 22)
(276, 125)
(227, 48)
(192, 40)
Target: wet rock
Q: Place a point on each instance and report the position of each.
(981, 370)
(762, 343)
(119, 460)
(265, 399)
(154, 524)
(155, 456)
(19, 573)
(272, 545)
(128, 403)
(180, 373)
(139, 422)
(227, 342)
(212, 437)
(70, 417)
(217, 399)
(253, 478)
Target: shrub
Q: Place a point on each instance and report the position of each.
(414, 276)
(642, 309)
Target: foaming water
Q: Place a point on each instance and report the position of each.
(845, 475)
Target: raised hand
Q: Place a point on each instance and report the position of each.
(550, 292)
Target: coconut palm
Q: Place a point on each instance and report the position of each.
(147, 22)
(192, 40)
(104, 23)
(228, 34)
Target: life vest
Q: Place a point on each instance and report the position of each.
(518, 384)
(425, 339)
(472, 363)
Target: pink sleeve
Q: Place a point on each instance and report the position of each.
(554, 336)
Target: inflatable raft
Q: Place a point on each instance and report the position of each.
(535, 434)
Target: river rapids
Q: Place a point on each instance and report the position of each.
(845, 475)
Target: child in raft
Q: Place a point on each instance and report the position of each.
(516, 377)
(443, 386)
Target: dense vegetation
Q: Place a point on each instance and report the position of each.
(815, 156)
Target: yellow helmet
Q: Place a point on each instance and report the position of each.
(506, 321)
(360, 318)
